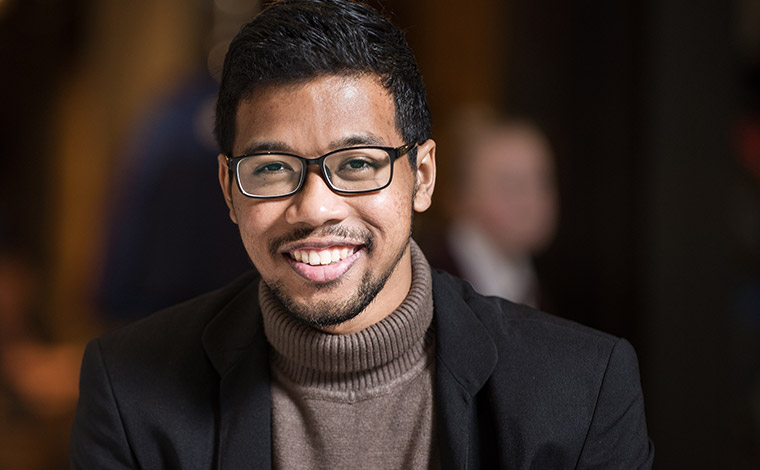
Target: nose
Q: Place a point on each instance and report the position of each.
(315, 204)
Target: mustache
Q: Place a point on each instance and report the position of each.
(365, 237)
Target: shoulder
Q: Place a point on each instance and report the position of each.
(163, 358)
(185, 318)
(503, 318)
(550, 383)
(174, 334)
(152, 382)
(527, 342)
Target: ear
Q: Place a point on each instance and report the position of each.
(226, 183)
(425, 176)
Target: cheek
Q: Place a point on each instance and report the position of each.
(385, 203)
(256, 219)
(257, 227)
(389, 212)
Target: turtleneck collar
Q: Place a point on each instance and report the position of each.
(359, 361)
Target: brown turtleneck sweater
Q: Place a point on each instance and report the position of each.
(363, 400)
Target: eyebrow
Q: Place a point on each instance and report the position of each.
(362, 138)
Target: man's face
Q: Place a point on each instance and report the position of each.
(358, 267)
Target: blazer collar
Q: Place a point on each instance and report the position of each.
(236, 346)
(466, 355)
(231, 332)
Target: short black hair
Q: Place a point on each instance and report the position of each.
(295, 41)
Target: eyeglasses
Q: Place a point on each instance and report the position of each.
(347, 171)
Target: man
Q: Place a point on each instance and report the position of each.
(347, 352)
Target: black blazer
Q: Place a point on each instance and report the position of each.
(188, 388)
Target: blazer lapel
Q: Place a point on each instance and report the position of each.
(465, 357)
(236, 345)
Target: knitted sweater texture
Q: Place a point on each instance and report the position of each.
(362, 400)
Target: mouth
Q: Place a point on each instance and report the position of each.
(323, 265)
(322, 257)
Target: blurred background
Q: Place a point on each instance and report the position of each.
(649, 110)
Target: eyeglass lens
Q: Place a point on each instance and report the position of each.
(352, 170)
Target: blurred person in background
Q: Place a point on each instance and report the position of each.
(168, 238)
(504, 208)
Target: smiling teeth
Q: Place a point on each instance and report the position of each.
(322, 257)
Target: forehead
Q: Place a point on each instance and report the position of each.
(315, 116)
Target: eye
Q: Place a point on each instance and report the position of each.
(358, 164)
(272, 167)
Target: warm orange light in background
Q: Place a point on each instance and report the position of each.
(132, 54)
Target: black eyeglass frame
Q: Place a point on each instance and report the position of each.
(393, 152)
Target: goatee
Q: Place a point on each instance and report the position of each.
(328, 313)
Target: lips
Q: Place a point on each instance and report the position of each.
(323, 254)
(325, 264)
